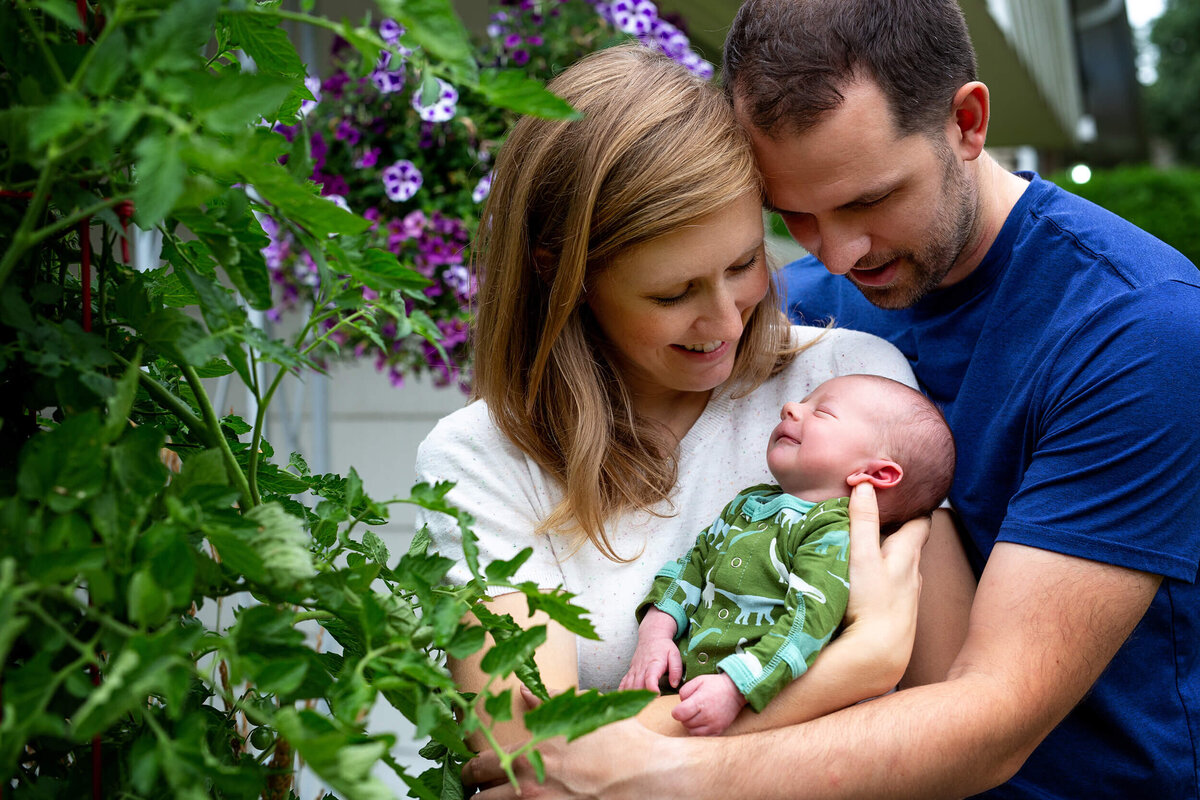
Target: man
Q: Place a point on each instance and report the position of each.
(1064, 347)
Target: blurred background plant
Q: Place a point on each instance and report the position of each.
(412, 153)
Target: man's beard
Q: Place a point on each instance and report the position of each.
(922, 270)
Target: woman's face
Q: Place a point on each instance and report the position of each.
(674, 308)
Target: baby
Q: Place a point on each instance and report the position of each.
(765, 585)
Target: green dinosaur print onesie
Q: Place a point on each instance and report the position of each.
(761, 591)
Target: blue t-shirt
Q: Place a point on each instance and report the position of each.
(1068, 367)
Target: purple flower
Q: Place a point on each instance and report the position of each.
(335, 84)
(347, 133)
(520, 57)
(318, 148)
(439, 109)
(368, 158)
(633, 16)
(388, 82)
(391, 31)
(458, 278)
(482, 188)
(534, 41)
(401, 180)
(512, 40)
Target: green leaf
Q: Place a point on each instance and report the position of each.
(160, 175)
(499, 706)
(382, 271)
(517, 91)
(301, 204)
(179, 337)
(281, 542)
(120, 403)
(259, 34)
(501, 571)
(108, 65)
(59, 467)
(215, 369)
(178, 36)
(136, 462)
(467, 641)
(146, 600)
(62, 10)
(557, 604)
(70, 113)
(375, 548)
(434, 26)
(234, 100)
(506, 655)
(573, 715)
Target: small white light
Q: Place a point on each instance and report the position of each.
(1081, 173)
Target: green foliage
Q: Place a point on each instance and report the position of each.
(131, 514)
(1165, 203)
(1173, 101)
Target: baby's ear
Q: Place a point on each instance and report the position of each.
(880, 473)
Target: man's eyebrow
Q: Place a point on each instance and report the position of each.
(866, 196)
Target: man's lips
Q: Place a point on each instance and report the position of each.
(876, 276)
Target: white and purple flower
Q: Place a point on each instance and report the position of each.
(401, 180)
(482, 189)
(439, 109)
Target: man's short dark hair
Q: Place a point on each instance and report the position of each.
(787, 61)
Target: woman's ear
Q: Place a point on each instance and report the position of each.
(546, 263)
(880, 473)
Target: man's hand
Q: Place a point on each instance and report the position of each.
(655, 655)
(710, 703)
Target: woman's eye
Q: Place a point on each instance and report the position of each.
(748, 265)
(670, 301)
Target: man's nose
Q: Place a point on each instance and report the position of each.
(842, 247)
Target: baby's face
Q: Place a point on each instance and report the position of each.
(825, 438)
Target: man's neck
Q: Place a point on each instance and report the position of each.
(998, 192)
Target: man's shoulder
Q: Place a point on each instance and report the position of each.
(1065, 224)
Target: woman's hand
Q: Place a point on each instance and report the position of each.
(885, 586)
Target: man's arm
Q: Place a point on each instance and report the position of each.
(1042, 629)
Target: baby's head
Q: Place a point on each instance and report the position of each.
(865, 428)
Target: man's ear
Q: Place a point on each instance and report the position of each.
(971, 108)
(880, 473)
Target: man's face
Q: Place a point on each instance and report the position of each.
(892, 213)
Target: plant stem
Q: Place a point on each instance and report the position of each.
(173, 404)
(64, 223)
(21, 239)
(233, 469)
(260, 419)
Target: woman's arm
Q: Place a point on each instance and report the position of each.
(557, 661)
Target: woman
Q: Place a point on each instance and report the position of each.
(631, 359)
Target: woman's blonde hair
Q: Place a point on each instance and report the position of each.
(657, 148)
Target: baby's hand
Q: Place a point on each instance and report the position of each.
(710, 703)
(656, 654)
